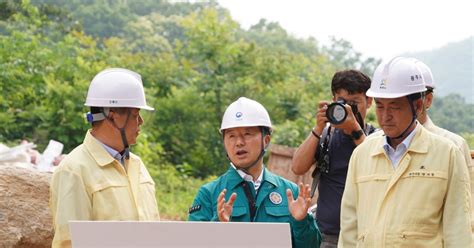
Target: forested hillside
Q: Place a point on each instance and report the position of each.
(194, 60)
(453, 68)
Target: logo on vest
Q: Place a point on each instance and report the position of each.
(275, 198)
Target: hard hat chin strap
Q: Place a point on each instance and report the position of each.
(262, 153)
(414, 116)
(126, 151)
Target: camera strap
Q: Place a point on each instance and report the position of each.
(369, 129)
(358, 116)
(323, 149)
(360, 120)
(316, 177)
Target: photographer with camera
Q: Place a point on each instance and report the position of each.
(331, 146)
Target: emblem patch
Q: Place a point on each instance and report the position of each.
(194, 209)
(275, 198)
(383, 84)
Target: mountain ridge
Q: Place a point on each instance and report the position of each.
(452, 67)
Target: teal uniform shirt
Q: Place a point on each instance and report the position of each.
(271, 205)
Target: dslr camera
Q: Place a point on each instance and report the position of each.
(336, 112)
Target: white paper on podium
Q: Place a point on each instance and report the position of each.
(175, 234)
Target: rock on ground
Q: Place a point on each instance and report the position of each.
(25, 219)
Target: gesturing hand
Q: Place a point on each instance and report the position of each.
(224, 209)
(299, 208)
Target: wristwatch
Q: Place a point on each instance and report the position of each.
(355, 135)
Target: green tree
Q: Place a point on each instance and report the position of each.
(41, 78)
(342, 54)
(453, 113)
(272, 36)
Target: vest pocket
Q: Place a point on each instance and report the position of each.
(277, 211)
(106, 196)
(371, 178)
(99, 187)
(417, 235)
(148, 201)
(371, 188)
(239, 213)
(278, 214)
(426, 188)
(363, 240)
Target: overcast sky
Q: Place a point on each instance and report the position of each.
(375, 28)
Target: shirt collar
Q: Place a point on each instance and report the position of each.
(114, 153)
(405, 143)
(97, 151)
(249, 178)
(234, 179)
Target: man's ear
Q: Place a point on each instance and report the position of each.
(111, 115)
(369, 102)
(428, 100)
(266, 140)
(419, 106)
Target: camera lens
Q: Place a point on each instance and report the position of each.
(336, 113)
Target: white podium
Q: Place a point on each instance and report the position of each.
(175, 234)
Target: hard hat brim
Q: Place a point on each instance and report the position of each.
(147, 108)
(371, 93)
(249, 125)
(139, 107)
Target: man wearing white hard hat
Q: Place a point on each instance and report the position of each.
(101, 179)
(408, 187)
(248, 192)
(427, 123)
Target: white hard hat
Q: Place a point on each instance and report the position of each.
(396, 78)
(245, 113)
(426, 72)
(117, 87)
